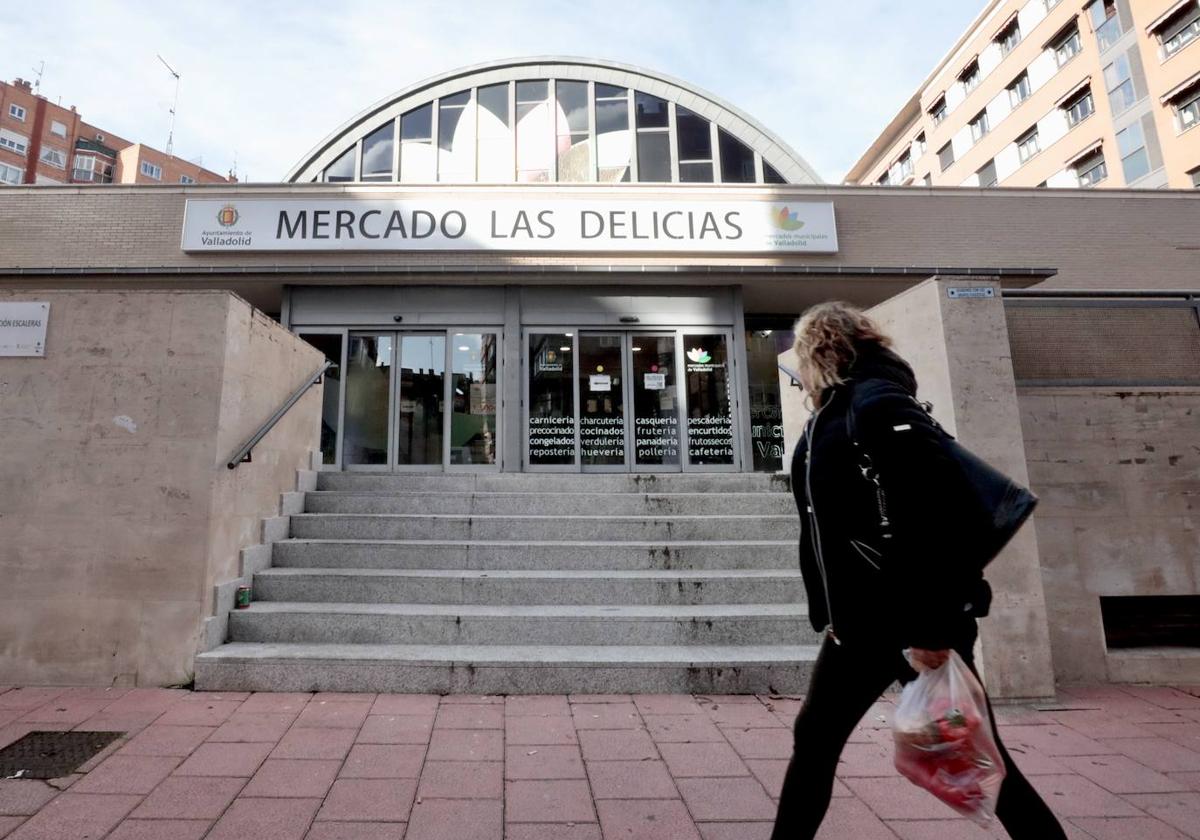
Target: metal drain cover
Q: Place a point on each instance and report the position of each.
(51, 755)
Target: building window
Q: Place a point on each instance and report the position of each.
(612, 134)
(150, 170)
(378, 148)
(771, 175)
(1106, 23)
(16, 112)
(946, 156)
(456, 143)
(13, 142)
(1119, 80)
(10, 174)
(1050, 4)
(970, 76)
(535, 132)
(186, 179)
(418, 161)
(1009, 37)
(653, 121)
(494, 154)
(1195, 173)
(979, 126)
(1189, 112)
(693, 135)
(341, 169)
(58, 129)
(737, 160)
(84, 168)
(1079, 107)
(885, 179)
(921, 145)
(938, 110)
(1091, 169)
(928, 180)
(1019, 90)
(53, 157)
(905, 166)
(1131, 144)
(1067, 45)
(1180, 29)
(987, 175)
(1028, 144)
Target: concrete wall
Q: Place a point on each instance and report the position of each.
(117, 512)
(1118, 471)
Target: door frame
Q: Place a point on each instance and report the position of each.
(735, 408)
(526, 361)
(344, 334)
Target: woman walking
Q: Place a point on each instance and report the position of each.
(873, 591)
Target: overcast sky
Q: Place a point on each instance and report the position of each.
(266, 80)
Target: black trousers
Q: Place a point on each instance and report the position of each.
(846, 681)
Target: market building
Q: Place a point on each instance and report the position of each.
(547, 307)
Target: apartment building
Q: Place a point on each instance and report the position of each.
(44, 143)
(1046, 93)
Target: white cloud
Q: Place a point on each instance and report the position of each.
(267, 80)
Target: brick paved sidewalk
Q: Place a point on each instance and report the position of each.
(1115, 763)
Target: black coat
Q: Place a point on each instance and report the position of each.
(905, 590)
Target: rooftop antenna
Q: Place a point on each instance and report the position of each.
(174, 105)
(39, 70)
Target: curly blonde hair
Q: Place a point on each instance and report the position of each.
(829, 338)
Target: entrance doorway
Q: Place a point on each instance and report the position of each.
(422, 401)
(630, 401)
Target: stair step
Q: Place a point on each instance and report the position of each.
(540, 527)
(471, 624)
(546, 555)
(557, 504)
(470, 586)
(558, 482)
(492, 669)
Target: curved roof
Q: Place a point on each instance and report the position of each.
(738, 142)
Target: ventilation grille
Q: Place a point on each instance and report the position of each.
(1104, 345)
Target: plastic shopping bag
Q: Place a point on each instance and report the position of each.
(944, 740)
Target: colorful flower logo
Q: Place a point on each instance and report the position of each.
(227, 216)
(699, 356)
(785, 219)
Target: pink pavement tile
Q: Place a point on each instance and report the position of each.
(147, 700)
(265, 819)
(17, 730)
(631, 780)
(160, 830)
(65, 710)
(770, 773)
(540, 730)
(897, 798)
(1096, 723)
(1033, 763)
(456, 819)
(543, 762)
(1159, 753)
(617, 745)
(469, 699)
(224, 760)
(704, 759)
(27, 699)
(333, 714)
(760, 743)
(9, 824)
(191, 798)
(1164, 696)
(646, 819)
(1191, 781)
(127, 774)
(1054, 741)
(1124, 828)
(469, 716)
(461, 780)
(367, 697)
(253, 726)
(552, 831)
(606, 716)
(406, 704)
(866, 760)
(293, 777)
(396, 729)
(199, 711)
(667, 704)
(466, 745)
(167, 740)
(275, 703)
(1180, 810)
(850, 819)
(599, 698)
(725, 699)
(381, 800)
(543, 705)
(682, 728)
(314, 743)
(548, 801)
(1136, 710)
(76, 816)
(745, 715)
(383, 761)
(128, 722)
(726, 799)
(24, 797)
(1120, 774)
(942, 829)
(356, 831)
(736, 830)
(1076, 796)
(1184, 734)
(7, 716)
(1021, 715)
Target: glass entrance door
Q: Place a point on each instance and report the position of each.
(421, 401)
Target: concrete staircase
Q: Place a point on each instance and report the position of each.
(521, 583)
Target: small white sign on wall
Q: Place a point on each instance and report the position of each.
(23, 328)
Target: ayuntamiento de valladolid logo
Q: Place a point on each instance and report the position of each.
(227, 217)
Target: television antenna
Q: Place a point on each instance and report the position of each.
(174, 105)
(39, 70)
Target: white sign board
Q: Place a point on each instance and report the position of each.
(656, 381)
(23, 328)
(482, 223)
(600, 382)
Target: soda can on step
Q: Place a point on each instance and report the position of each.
(241, 599)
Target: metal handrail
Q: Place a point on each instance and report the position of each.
(243, 453)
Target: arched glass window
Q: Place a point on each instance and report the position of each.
(694, 134)
(737, 161)
(417, 162)
(377, 153)
(535, 132)
(574, 146)
(342, 169)
(495, 149)
(653, 138)
(614, 142)
(456, 138)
